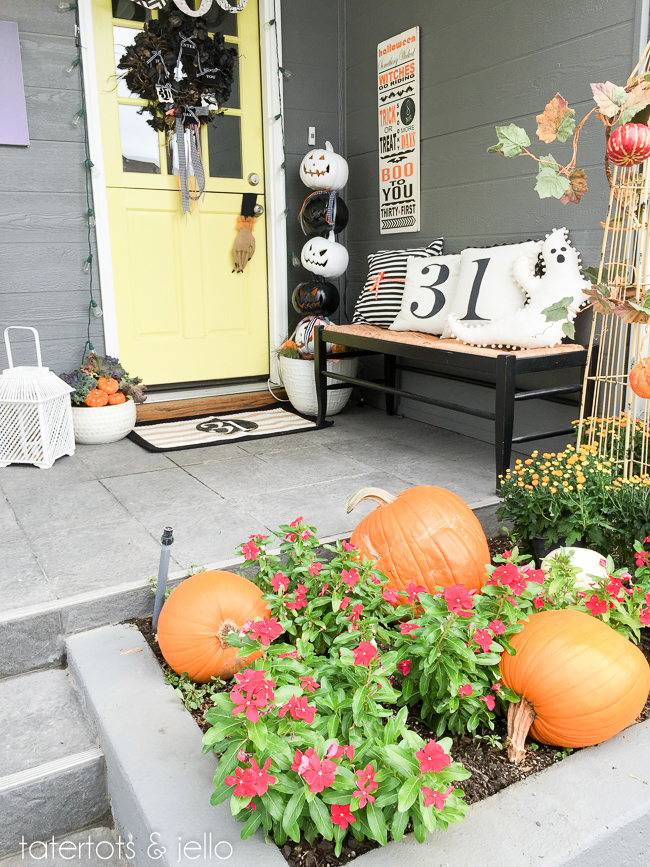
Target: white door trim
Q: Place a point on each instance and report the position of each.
(275, 193)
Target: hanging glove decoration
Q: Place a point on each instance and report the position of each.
(178, 67)
(244, 246)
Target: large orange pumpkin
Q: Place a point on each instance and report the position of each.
(196, 618)
(580, 681)
(427, 535)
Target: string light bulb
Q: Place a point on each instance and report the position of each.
(88, 264)
(97, 310)
(73, 66)
(66, 7)
(295, 259)
(91, 218)
(285, 72)
(76, 120)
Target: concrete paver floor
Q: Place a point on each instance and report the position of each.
(94, 520)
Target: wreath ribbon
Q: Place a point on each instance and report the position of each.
(186, 118)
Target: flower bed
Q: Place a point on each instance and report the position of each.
(338, 727)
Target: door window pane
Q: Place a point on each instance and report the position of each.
(140, 151)
(130, 11)
(122, 38)
(224, 146)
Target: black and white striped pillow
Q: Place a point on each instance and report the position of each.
(381, 298)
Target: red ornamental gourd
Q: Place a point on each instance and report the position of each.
(581, 682)
(197, 617)
(425, 535)
(629, 144)
(640, 378)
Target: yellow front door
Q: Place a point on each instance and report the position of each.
(182, 315)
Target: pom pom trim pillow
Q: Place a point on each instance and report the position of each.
(428, 294)
(381, 297)
(486, 287)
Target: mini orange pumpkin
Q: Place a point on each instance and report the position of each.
(110, 386)
(640, 378)
(96, 397)
(196, 618)
(117, 398)
(581, 682)
(426, 534)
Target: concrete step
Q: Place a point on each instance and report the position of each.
(34, 636)
(94, 847)
(52, 772)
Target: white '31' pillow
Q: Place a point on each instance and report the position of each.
(428, 293)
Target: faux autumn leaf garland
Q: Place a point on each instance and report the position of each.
(614, 105)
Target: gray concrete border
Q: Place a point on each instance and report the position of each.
(590, 810)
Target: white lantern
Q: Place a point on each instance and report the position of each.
(35, 413)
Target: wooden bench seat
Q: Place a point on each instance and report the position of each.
(497, 369)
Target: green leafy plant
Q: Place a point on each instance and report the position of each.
(319, 598)
(193, 695)
(614, 105)
(312, 744)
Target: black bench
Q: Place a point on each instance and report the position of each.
(453, 361)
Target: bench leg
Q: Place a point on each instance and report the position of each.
(504, 410)
(320, 372)
(390, 364)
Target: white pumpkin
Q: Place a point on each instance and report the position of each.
(325, 257)
(323, 169)
(304, 334)
(586, 560)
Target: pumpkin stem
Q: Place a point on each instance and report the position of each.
(520, 718)
(227, 627)
(381, 497)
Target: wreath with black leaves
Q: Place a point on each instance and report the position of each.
(176, 41)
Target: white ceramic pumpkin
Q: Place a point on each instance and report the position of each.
(325, 257)
(586, 560)
(323, 169)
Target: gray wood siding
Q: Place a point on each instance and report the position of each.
(42, 200)
(484, 62)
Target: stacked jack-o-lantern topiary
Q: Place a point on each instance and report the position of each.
(323, 215)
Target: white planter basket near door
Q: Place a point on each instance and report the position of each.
(299, 380)
(94, 425)
(35, 417)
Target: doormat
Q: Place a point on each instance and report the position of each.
(225, 427)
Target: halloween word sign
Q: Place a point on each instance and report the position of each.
(398, 88)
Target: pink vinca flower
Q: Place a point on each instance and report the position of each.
(466, 689)
(407, 628)
(250, 550)
(244, 786)
(342, 815)
(432, 757)
(298, 708)
(596, 605)
(483, 638)
(350, 577)
(458, 599)
(334, 751)
(538, 602)
(367, 784)
(318, 774)
(497, 627)
(265, 631)
(309, 683)
(297, 522)
(279, 582)
(614, 586)
(258, 777)
(404, 666)
(305, 535)
(391, 595)
(365, 653)
(489, 701)
(347, 546)
(355, 614)
(644, 616)
(315, 569)
(344, 602)
(413, 592)
(432, 798)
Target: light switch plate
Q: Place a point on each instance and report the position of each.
(311, 136)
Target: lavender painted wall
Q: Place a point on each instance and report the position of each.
(13, 117)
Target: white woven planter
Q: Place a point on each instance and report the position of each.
(298, 377)
(103, 424)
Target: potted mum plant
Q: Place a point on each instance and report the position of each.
(104, 400)
(299, 379)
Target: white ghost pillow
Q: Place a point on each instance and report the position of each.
(429, 290)
(486, 287)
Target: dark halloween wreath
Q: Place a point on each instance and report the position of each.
(179, 69)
